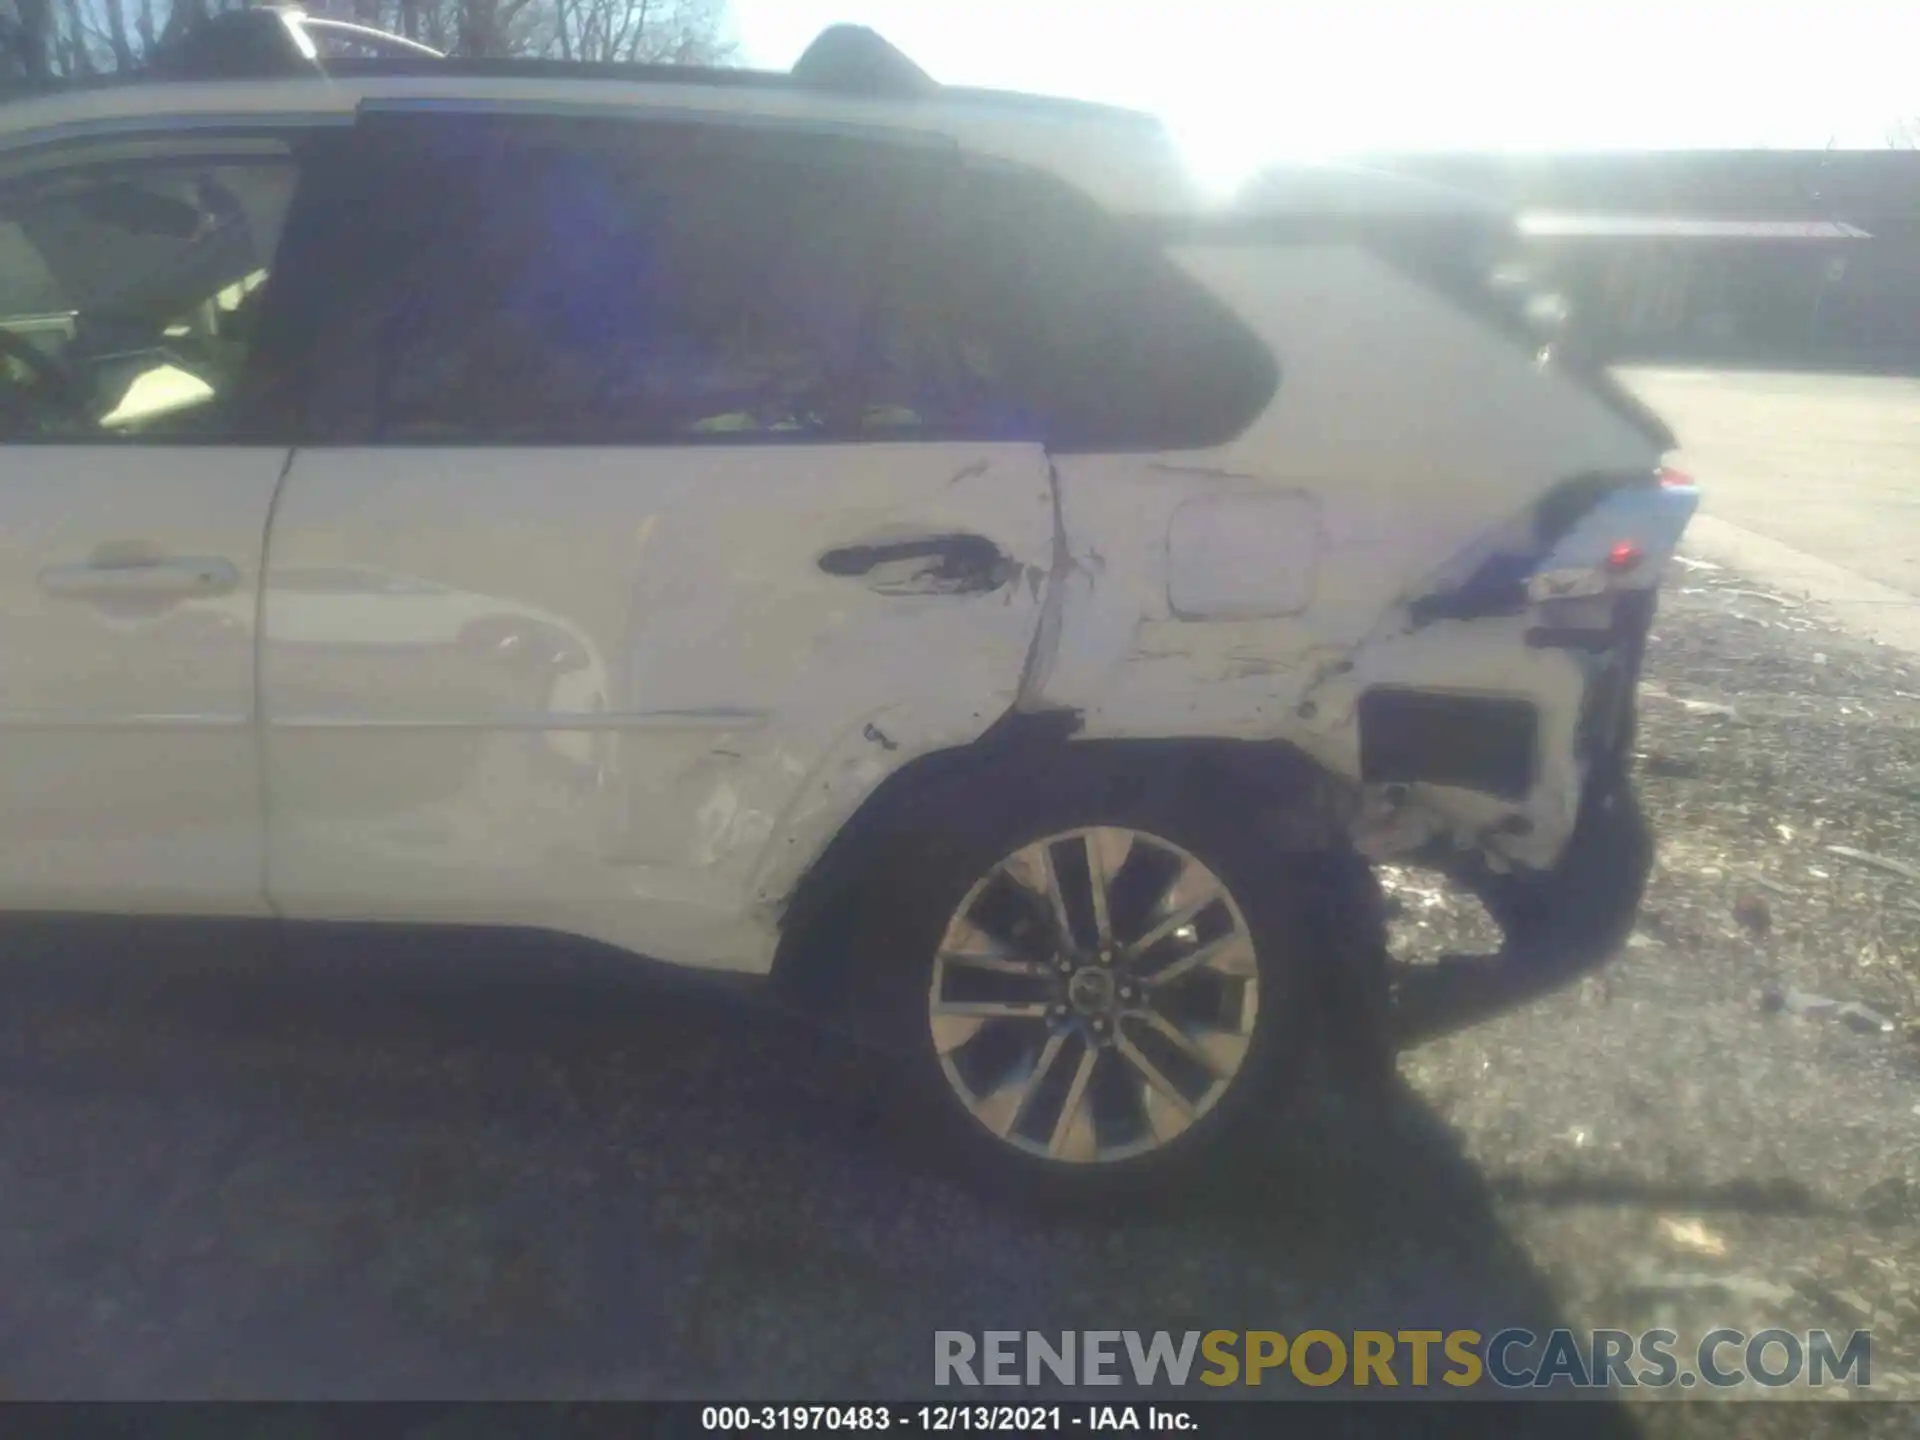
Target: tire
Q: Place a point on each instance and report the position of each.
(998, 1085)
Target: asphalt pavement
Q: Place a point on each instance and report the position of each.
(1811, 482)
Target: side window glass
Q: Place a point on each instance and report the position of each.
(939, 362)
(1094, 331)
(581, 282)
(129, 293)
(631, 297)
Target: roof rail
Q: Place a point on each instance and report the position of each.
(270, 41)
(283, 41)
(366, 35)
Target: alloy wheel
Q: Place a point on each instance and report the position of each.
(1094, 995)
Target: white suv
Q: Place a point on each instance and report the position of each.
(893, 539)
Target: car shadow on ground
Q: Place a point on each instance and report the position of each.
(241, 1162)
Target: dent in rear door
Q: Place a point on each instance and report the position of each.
(599, 703)
(612, 682)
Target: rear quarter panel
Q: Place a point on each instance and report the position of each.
(1404, 433)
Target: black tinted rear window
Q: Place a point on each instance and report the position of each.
(1110, 343)
(550, 281)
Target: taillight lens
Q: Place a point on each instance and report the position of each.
(1672, 479)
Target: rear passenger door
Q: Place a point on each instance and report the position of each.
(659, 503)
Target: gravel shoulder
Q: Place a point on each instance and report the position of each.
(249, 1165)
(1703, 1133)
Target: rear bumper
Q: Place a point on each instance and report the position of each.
(1557, 924)
(1490, 718)
(1564, 913)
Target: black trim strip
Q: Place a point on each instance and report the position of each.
(1320, 226)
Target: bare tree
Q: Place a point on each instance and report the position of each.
(117, 37)
(76, 55)
(182, 15)
(27, 41)
(678, 32)
(51, 40)
(1904, 134)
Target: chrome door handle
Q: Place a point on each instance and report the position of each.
(183, 579)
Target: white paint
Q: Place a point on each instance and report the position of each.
(612, 691)
(128, 773)
(1420, 436)
(688, 699)
(1243, 556)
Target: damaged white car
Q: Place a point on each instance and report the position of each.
(895, 540)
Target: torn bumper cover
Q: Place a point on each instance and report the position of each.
(1556, 924)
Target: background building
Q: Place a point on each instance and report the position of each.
(1791, 258)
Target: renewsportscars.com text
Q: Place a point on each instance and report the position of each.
(1512, 1359)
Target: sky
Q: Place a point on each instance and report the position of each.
(1246, 82)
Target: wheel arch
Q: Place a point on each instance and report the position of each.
(1268, 785)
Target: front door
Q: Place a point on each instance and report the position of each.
(665, 501)
(133, 511)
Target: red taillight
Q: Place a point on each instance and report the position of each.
(1673, 479)
(1624, 556)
